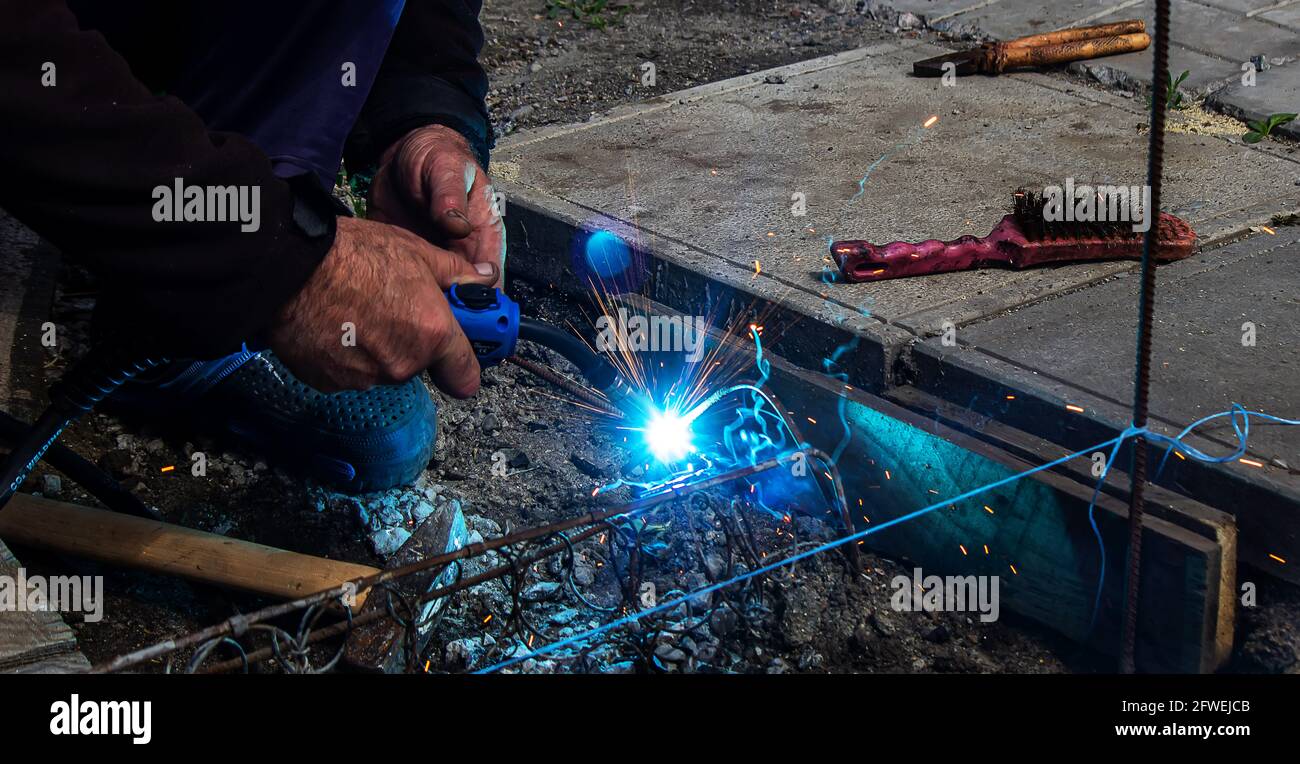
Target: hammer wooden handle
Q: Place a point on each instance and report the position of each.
(135, 542)
(1003, 58)
(1132, 26)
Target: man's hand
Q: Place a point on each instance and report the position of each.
(388, 284)
(430, 183)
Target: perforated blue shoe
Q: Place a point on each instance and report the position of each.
(355, 441)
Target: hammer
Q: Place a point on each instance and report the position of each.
(158, 547)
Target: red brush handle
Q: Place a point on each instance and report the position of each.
(863, 261)
(1006, 245)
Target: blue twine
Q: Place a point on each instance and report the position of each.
(1176, 442)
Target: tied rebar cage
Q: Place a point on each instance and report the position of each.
(618, 537)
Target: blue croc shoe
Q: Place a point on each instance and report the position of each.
(355, 441)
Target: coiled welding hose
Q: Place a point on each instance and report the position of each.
(89, 381)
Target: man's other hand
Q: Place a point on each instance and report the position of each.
(430, 183)
(374, 313)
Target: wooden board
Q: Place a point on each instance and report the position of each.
(35, 642)
(1175, 508)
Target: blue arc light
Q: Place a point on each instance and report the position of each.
(668, 436)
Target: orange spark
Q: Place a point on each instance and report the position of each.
(1275, 557)
(1074, 408)
(930, 122)
(168, 468)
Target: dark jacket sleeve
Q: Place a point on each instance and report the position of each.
(430, 76)
(81, 157)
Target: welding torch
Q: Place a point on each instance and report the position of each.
(492, 323)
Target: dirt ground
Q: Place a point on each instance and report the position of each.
(822, 618)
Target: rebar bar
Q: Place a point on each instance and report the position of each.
(1146, 323)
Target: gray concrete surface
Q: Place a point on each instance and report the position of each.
(706, 178)
(1276, 90)
(1080, 345)
(1210, 38)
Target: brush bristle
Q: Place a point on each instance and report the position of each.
(1028, 211)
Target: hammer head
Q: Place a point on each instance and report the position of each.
(382, 646)
(962, 63)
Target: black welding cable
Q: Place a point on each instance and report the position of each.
(100, 484)
(598, 372)
(30, 448)
(89, 381)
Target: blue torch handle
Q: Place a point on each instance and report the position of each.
(489, 319)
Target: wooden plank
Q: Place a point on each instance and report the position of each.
(34, 642)
(1266, 511)
(118, 539)
(1040, 541)
(1176, 508)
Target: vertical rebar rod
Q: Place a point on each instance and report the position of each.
(1146, 321)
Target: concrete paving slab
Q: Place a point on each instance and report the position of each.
(1249, 8)
(1276, 90)
(1209, 43)
(707, 177)
(1228, 35)
(1132, 71)
(1209, 37)
(1287, 16)
(1007, 19)
(1084, 340)
(928, 10)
